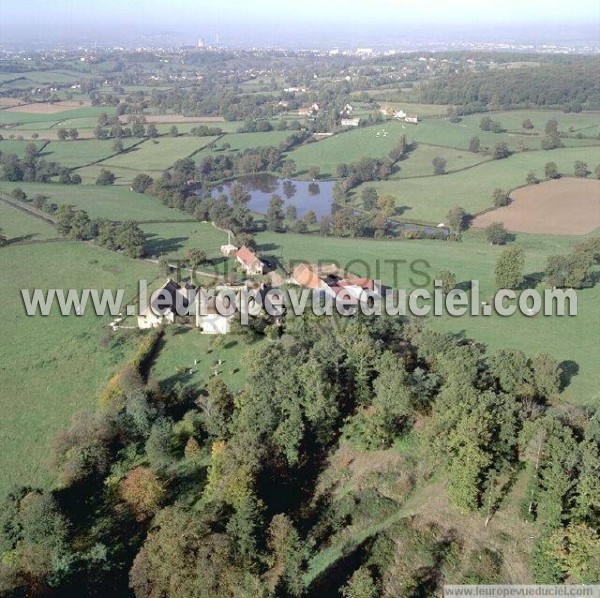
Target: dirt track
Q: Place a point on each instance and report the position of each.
(567, 206)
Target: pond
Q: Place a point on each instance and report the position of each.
(305, 195)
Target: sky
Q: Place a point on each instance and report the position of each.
(31, 18)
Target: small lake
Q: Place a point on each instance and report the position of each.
(305, 195)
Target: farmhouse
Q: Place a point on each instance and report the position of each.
(412, 118)
(347, 110)
(350, 122)
(249, 261)
(164, 305)
(400, 114)
(304, 276)
(228, 250)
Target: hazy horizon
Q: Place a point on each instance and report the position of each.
(299, 24)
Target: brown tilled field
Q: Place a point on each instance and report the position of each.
(567, 206)
(43, 108)
(177, 118)
(10, 102)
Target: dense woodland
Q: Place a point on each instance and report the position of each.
(569, 86)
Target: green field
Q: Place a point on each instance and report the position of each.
(52, 367)
(115, 203)
(18, 226)
(158, 154)
(473, 259)
(418, 162)
(123, 176)
(14, 146)
(367, 142)
(458, 135)
(243, 141)
(429, 199)
(174, 239)
(83, 151)
(175, 362)
(69, 113)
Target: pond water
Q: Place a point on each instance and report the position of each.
(305, 195)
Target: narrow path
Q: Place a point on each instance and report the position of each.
(324, 559)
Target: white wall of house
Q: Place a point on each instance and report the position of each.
(213, 324)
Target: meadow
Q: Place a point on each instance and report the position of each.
(190, 358)
(443, 132)
(116, 203)
(15, 146)
(74, 154)
(52, 367)
(10, 117)
(368, 142)
(18, 226)
(174, 239)
(158, 154)
(429, 199)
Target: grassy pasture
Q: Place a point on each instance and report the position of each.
(567, 339)
(83, 151)
(173, 239)
(244, 141)
(19, 226)
(124, 176)
(15, 146)
(429, 199)
(115, 203)
(348, 147)
(175, 362)
(440, 131)
(158, 154)
(227, 126)
(7, 117)
(52, 367)
(419, 161)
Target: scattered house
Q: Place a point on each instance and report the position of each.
(350, 122)
(388, 111)
(249, 261)
(283, 103)
(412, 118)
(400, 114)
(164, 305)
(212, 322)
(357, 286)
(347, 110)
(349, 290)
(314, 107)
(304, 276)
(304, 111)
(208, 318)
(229, 249)
(294, 89)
